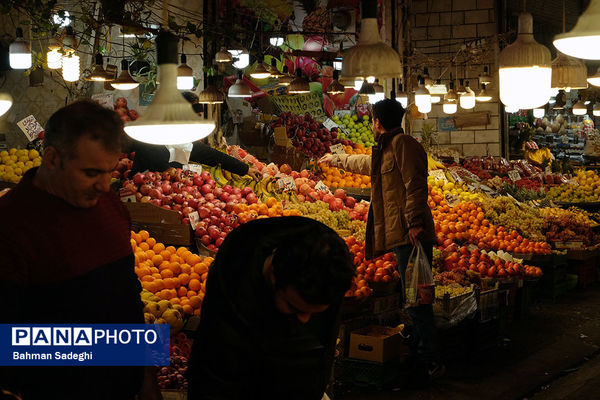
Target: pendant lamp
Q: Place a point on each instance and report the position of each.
(348, 83)
(483, 96)
(450, 105)
(539, 112)
(595, 111)
(223, 56)
(299, 85)
(125, 81)
(260, 72)
(583, 41)
(461, 87)
(241, 58)
(6, 102)
(210, 94)
(239, 88)
(273, 71)
(276, 40)
(402, 97)
(595, 79)
(70, 67)
(485, 78)
(510, 109)
(525, 69)
(336, 87)
(423, 97)
(367, 88)
(568, 73)
(185, 75)
(371, 57)
(98, 73)
(20, 52)
(170, 119)
(286, 79)
(467, 100)
(54, 56)
(579, 108)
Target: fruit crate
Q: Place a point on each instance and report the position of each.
(446, 304)
(487, 303)
(163, 225)
(538, 260)
(369, 374)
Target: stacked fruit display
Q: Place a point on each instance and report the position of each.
(569, 225)
(380, 269)
(526, 220)
(175, 275)
(439, 190)
(338, 178)
(270, 208)
(359, 129)
(15, 162)
(123, 168)
(174, 375)
(586, 190)
(308, 135)
(124, 112)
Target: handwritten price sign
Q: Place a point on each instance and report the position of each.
(337, 149)
(321, 187)
(287, 184)
(30, 127)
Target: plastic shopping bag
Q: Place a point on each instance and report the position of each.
(420, 288)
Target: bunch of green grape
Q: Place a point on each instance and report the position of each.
(358, 229)
(503, 211)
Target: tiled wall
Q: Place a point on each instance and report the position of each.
(439, 28)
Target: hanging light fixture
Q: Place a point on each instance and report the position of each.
(286, 79)
(595, 111)
(260, 72)
(273, 71)
(98, 73)
(239, 88)
(379, 93)
(348, 83)
(485, 78)
(299, 85)
(428, 81)
(210, 94)
(510, 109)
(539, 112)
(70, 67)
(276, 40)
(450, 105)
(6, 102)
(358, 83)
(423, 97)
(401, 96)
(224, 56)
(467, 100)
(483, 96)
(367, 88)
(371, 56)
(568, 73)
(20, 52)
(525, 69)
(438, 90)
(335, 87)
(595, 79)
(461, 87)
(125, 81)
(370, 79)
(54, 56)
(337, 63)
(185, 75)
(583, 41)
(241, 57)
(579, 108)
(170, 119)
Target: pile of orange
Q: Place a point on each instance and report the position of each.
(269, 209)
(177, 275)
(357, 148)
(466, 222)
(381, 269)
(338, 178)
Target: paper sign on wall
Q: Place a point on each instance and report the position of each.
(30, 127)
(104, 99)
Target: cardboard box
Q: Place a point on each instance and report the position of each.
(163, 225)
(376, 343)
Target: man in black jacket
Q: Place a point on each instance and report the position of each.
(270, 317)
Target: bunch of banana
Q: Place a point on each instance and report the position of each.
(265, 188)
(432, 163)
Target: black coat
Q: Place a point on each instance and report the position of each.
(244, 348)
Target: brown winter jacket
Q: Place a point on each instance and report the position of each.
(399, 191)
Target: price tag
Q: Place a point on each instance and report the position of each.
(337, 149)
(194, 219)
(104, 99)
(514, 175)
(321, 187)
(30, 127)
(473, 187)
(329, 124)
(438, 175)
(127, 196)
(456, 176)
(197, 168)
(452, 199)
(342, 113)
(286, 184)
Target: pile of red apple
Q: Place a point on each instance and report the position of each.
(174, 375)
(186, 192)
(308, 135)
(125, 113)
(123, 168)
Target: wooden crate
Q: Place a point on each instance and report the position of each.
(163, 225)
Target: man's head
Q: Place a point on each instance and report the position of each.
(387, 115)
(82, 144)
(311, 269)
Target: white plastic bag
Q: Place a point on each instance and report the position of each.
(420, 288)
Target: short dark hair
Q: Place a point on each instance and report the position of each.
(83, 118)
(313, 259)
(389, 113)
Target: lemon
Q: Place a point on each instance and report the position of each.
(12, 151)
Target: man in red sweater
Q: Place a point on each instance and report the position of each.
(66, 254)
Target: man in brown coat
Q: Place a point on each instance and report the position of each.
(399, 216)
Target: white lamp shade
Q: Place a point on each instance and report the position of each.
(539, 112)
(6, 102)
(435, 98)
(583, 41)
(241, 58)
(239, 89)
(54, 59)
(70, 68)
(579, 108)
(525, 73)
(185, 82)
(358, 84)
(20, 52)
(449, 107)
(371, 79)
(170, 119)
(511, 109)
(423, 99)
(595, 79)
(20, 60)
(595, 111)
(467, 100)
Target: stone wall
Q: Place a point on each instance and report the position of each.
(464, 30)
